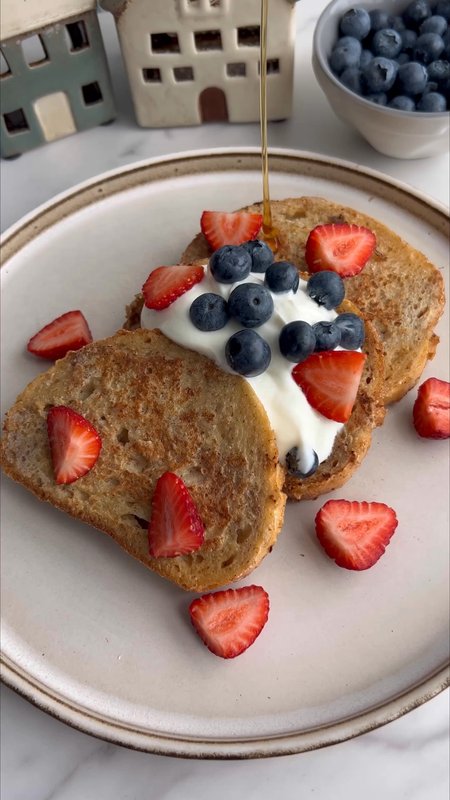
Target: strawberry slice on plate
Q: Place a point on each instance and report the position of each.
(236, 227)
(74, 444)
(330, 381)
(166, 284)
(175, 527)
(431, 411)
(355, 534)
(70, 331)
(341, 247)
(229, 621)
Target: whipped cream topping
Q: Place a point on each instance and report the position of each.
(295, 422)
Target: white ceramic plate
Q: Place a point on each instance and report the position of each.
(93, 637)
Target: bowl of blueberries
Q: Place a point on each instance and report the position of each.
(385, 70)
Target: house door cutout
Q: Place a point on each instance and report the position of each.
(55, 116)
(213, 105)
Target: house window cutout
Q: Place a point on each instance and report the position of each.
(208, 40)
(273, 66)
(16, 121)
(4, 66)
(34, 51)
(165, 43)
(183, 73)
(236, 70)
(77, 36)
(91, 93)
(248, 37)
(152, 75)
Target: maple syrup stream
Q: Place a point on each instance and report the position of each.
(269, 232)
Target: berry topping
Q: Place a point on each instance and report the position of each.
(297, 341)
(343, 248)
(431, 412)
(175, 527)
(237, 227)
(166, 284)
(251, 304)
(247, 353)
(229, 621)
(300, 467)
(68, 332)
(326, 288)
(352, 330)
(209, 312)
(355, 534)
(229, 264)
(330, 381)
(74, 444)
(328, 335)
(282, 276)
(261, 254)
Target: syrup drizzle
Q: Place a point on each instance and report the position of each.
(270, 234)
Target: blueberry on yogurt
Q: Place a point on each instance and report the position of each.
(297, 341)
(230, 263)
(261, 255)
(247, 353)
(328, 335)
(326, 288)
(282, 276)
(209, 312)
(300, 467)
(351, 328)
(251, 304)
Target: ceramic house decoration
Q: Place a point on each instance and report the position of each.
(194, 61)
(54, 75)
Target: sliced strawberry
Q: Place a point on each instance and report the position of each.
(355, 534)
(175, 527)
(74, 444)
(343, 248)
(68, 332)
(330, 381)
(237, 227)
(229, 621)
(166, 284)
(431, 411)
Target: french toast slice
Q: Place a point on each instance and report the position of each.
(157, 408)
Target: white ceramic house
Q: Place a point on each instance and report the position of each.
(194, 61)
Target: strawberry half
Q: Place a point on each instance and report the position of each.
(68, 332)
(229, 621)
(237, 227)
(74, 444)
(330, 381)
(431, 411)
(175, 527)
(355, 534)
(343, 248)
(166, 284)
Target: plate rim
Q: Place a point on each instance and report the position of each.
(13, 240)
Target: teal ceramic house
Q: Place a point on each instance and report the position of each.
(54, 75)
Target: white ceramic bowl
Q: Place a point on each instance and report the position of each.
(401, 134)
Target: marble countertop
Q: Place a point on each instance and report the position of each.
(42, 759)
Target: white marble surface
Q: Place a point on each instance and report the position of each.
(43, 759)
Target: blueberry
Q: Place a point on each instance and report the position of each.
(346, 53)
(428, 48)
(328, 335)
(366, 57)
(416, 12)
(352, 330)
(298, 465)
(297, 341)
(355, 22)
(438, 71)
(209, 312)
(230, 263)
(326, 288)
(403, 58)
(380, 98)
(396, 22)
(380, 74)
(247, 353)
(412, 78)
(434, 24)
(352, 79)
(402, 103)
(251, 304)
(387, 43)
(430, 87)
(409, 38)
(282, 276)
(432, 101)
(261, 255)
(443, 9)
(379, 19)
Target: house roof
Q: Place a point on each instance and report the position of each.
(23, 16)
